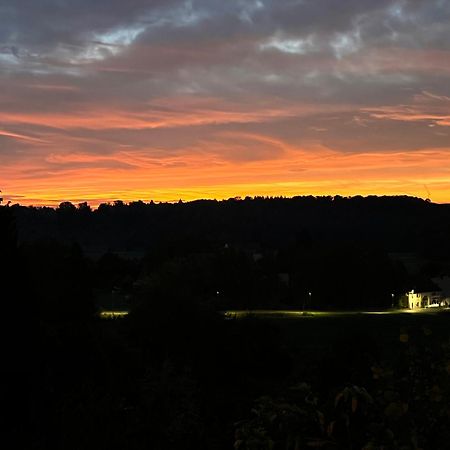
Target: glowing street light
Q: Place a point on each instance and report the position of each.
(304, 299)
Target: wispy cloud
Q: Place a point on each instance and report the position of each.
(22, 137)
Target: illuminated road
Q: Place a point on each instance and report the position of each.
(289, 314)
(106, 314)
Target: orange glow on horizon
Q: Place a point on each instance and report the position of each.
(197, 176)
(192, 147)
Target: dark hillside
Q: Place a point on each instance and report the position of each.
(397, 224)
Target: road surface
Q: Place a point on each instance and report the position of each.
(288, 314)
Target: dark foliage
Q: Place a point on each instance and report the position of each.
(263, 252)
(390, 223)
(174, 374)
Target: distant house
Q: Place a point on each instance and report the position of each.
(423, 299)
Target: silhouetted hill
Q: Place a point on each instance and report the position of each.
(257, 252)
(396, 224)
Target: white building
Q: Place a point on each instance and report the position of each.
(423, 299)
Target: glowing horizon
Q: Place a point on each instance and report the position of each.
(321, 179)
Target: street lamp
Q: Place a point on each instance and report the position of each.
(309, 301)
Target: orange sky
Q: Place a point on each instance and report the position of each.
(421, 173)
(179, 100)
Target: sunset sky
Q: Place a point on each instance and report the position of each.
(166, 99)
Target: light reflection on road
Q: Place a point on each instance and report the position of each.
(289, 314)
(112, 314)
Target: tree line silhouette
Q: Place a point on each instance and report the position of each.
(258, 252)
